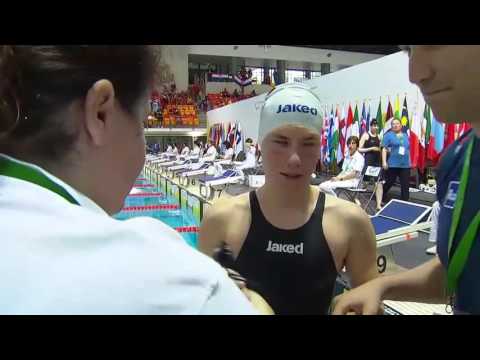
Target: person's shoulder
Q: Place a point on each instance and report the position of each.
(225, 207)
(345, 211)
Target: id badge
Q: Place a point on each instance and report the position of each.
(401, 150)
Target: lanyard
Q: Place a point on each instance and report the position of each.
(458, 259)
(23, 172)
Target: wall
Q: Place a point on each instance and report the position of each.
(246, 112)
(176, 59)
(288, 53)
(385, 77)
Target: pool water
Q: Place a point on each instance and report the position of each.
(175, 218)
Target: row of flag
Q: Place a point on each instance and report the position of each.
(231, 132)
(428, 137)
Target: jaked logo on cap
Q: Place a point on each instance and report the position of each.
(297, 108)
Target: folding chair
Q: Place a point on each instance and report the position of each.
(363, 188)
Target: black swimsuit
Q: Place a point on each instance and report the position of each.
(292, 269)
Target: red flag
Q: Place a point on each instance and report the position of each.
(415, 133)
(349, 121)
(450, 134)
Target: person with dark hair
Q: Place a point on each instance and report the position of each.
(196, 148)
(72, 145)
(351, 170)
(229, 152)
(210, 152)
(396, 144)
(250, 159)
(185, 150)
(370, 147)
(448, 78)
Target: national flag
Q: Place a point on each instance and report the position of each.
(368, 116)
(380, 116)
(342, 131)
(238, 139)
(437, 140)
(397, 108)
(363, 123)
(387, 124)
(349, 122)
(356, 123)
(415, 133)
(404, 119)
(336, 137)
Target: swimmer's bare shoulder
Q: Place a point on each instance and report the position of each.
(351, 238)
(226, 222)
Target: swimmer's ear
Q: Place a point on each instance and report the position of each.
(99, 110)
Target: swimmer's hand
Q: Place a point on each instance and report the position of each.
(257, 301)
(364, 300)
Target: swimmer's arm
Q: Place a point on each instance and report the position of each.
(212, 230)
(361, 259)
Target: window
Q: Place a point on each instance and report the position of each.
(295, 76)
(257, 73)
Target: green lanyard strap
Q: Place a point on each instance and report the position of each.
(19, 171)
(458, 259)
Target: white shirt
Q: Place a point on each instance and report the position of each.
(175, 151)
(353, 163)
(195, 151)
(228, 154)
(185, 151)
(211, 154)
(61, 258)
(250, 161)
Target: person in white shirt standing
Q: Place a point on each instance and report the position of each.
(351, 170)
(71, 118)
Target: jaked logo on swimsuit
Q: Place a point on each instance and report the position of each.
(451, 196)
(285, 248)
(297, 108)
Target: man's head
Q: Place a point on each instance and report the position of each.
(449, 79)
(290, 125)
(353, 143)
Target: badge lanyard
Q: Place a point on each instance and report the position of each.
(20, 171)
(458, 260)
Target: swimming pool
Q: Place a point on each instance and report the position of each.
(148, 200)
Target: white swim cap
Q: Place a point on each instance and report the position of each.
(291, 103)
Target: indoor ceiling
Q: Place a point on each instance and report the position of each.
(369, 49)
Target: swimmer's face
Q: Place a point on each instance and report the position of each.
(290, 155)
(374, 128)
(449, 79)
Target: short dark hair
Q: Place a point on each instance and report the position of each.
(353, 139)
(227, 144)
(374, 122)
(37, 82)
(249, 140)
